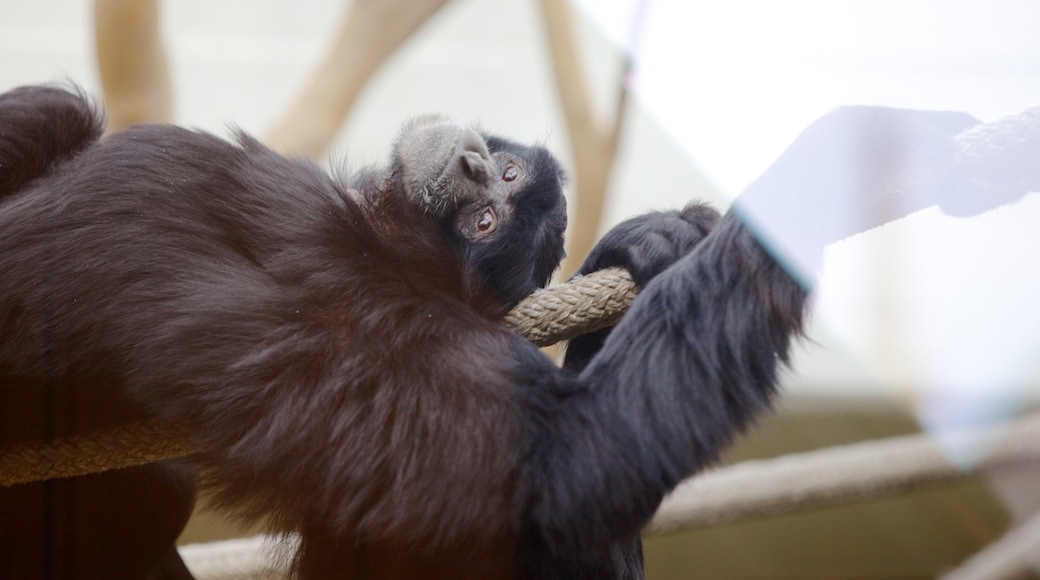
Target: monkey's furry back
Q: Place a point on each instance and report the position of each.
(225, 285)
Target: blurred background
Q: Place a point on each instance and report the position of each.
(926, 324)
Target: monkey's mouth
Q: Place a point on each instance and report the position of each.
(436, 197)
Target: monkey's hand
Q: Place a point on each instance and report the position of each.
(645, 246)
(648, 244)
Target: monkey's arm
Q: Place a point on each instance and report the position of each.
(696, 359)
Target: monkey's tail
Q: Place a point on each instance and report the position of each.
(40, 126)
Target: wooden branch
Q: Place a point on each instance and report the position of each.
(593, 145)
(132, 63)
(370, 32)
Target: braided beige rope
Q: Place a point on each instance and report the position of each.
(546, 317)
(845, 474)
(582, 305)
(122, 446)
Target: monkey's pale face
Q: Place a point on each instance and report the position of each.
(443, 165)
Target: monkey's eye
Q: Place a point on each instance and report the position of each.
(511, 173)
(486, 221)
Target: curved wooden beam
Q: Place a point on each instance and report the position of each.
(370, 32)
(132, 62)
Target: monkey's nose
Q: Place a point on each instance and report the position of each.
(474, 157)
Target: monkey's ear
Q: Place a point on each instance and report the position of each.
(442, 165)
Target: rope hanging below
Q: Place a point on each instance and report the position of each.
(546, 317)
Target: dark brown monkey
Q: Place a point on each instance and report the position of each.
(335, 345)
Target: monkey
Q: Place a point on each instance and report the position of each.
(334, 344)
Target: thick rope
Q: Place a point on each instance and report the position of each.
(114, 448)
(571, 309)
(548, 316)
(841, 475)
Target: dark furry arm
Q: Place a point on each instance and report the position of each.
(691, 364)
(696, 359)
